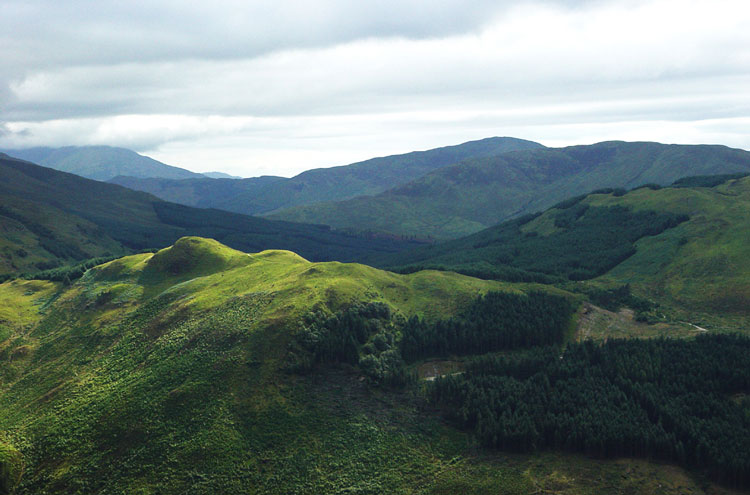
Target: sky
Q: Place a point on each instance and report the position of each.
(274, 88)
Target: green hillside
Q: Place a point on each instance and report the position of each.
(685, 247)
(51, 218)
(178, 372)
(480, 192)
(166, 372)
(262, 195)
(100, 162)
(201, 192)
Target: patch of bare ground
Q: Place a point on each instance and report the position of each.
(600, 324)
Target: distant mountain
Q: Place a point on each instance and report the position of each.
(100, 162)
(219, 175)
(49, 218)
(479, 192)
(684, 246)
(201, 192)
(324, 184)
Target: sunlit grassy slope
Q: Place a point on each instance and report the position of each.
(159, 372)
(166, 373)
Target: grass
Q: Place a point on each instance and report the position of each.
(700, 267)
(156, 374)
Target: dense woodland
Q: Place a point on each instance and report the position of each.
(587, 242)
(494, 322)
(677, 400)
(379, 342)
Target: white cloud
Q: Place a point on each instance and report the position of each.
(281, 89)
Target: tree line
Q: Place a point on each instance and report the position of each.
(493, 322)
(677, 400)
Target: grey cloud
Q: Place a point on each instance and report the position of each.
(338, 71)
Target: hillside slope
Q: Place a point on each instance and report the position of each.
(682, 246)
(100, 162)
(51, 217)
(165, 371)
(324, 184)
(477, 193)
(153, 375)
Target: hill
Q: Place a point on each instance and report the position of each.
(51, 218)
(100, 162)
(149, 375)
(480, 192)
(684, 247)
(324, 184)
(202, 192)
(170, 377)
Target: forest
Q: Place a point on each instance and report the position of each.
(493, 322)
(587, 242)
(677, 400)
(380, 342)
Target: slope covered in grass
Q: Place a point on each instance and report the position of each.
(165, 373)
(50, 218)
(261, 195)
(682, 246)
(467, 197)
(169, 373)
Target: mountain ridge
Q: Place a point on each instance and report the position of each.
(100, 162)
(464, 198)
(323, 184)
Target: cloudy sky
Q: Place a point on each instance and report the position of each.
(251, 87)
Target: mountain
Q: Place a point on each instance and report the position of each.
(50, 218)
(202, 192)
(324, 184)
(219, 175)
(683, 246)
(200, 369)
(479, 192)
(100, 162)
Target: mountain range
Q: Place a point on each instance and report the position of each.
(476, 193)
(264, 195)
(50, 218)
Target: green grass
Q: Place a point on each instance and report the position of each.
(701, 266)
(154, 362)
(157, 374)
(697, 271)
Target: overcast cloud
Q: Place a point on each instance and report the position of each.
(253, 88)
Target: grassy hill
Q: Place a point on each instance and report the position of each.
(165, 371)
(170, 373)
(50, 218)
(480, 192)
(685, 247)
(100, 162)
(251, 196)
